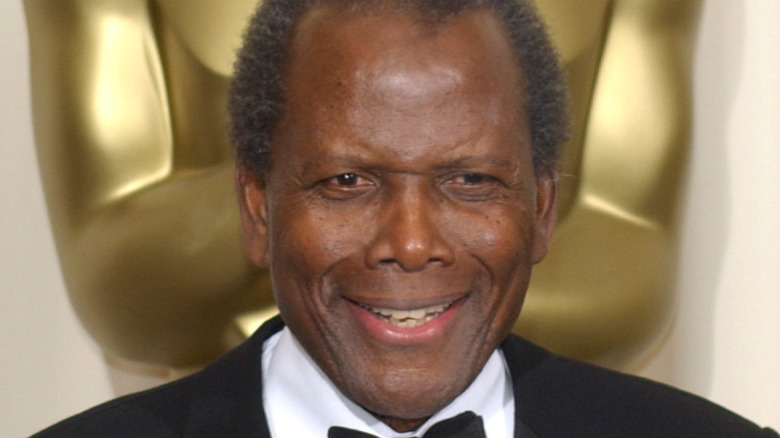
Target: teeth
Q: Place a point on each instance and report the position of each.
(401, 314)
(416, 314)
(409, 318)
(384, 312)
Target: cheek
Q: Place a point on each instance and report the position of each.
(310, 241)
(500, 237)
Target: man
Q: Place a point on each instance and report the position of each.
(396, 175)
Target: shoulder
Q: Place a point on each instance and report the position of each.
(225, 399)
(552, 391)
(147, 414)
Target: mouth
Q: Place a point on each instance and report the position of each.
(398, 323)
(408, 319)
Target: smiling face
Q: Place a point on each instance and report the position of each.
(401, 214)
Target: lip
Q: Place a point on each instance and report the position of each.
(390, 334)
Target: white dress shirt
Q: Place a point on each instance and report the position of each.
(301, 401)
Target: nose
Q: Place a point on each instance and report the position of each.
(409, 234)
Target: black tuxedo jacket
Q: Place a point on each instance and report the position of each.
(555, 397)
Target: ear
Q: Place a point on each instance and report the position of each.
(254, 216)
(546, 212)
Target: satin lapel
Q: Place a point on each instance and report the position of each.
(521, 357)
(522, 431)
(229, 397)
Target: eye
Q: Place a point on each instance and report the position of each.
(474, 179)
(473, 186)
(346, 180)
(345, 186)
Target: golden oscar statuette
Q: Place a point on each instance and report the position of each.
(131, 132)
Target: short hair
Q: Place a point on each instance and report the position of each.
(256, 96)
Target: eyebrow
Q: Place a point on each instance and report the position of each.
(348, 159)
(489, 159)
(469, 161)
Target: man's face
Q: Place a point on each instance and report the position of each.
(401, 215)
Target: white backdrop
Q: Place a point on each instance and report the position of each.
(725, 344)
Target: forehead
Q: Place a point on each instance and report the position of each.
(385, 64)
(365, 40)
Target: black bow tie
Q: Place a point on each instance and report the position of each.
(465, 425)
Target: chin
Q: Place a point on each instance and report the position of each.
(407, 412)
(408, 395)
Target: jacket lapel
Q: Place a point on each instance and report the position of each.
(521, 357)
(229, 397)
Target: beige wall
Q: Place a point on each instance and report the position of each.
(729, 331)
(49, 368)
(726, 343)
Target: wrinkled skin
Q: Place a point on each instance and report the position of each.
(401, 178)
